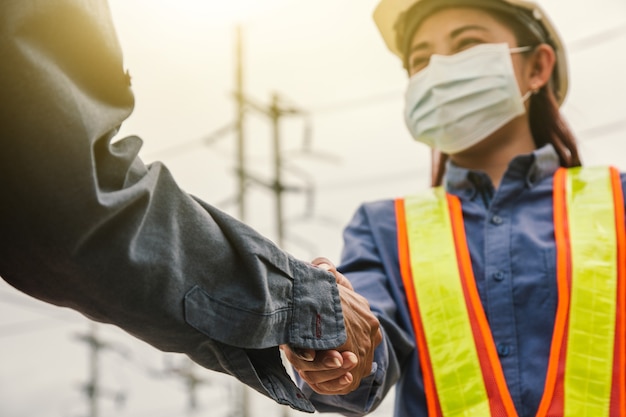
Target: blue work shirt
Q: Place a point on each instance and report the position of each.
(510, 235)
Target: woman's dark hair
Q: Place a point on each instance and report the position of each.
(546, 123)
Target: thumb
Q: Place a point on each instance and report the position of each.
(307, 355)
(343, 281)
(326, 265)
(323, 263)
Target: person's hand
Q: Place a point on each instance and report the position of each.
(340, 370)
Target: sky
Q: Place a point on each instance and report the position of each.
(346, 145)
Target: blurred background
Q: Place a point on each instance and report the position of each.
(321, 102)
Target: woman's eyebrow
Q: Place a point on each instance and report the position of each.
(420, 46)
(456, 32)
(459, 31)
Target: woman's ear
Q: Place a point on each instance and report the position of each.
(540, 66)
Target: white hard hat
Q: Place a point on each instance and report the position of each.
(393, 16)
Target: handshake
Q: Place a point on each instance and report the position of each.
(340, 371)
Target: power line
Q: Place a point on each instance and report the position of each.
(364, 101)
(187, 372)
(596, 39)
(40, 307)
(189, 145)
(27, 326)
(604, 129)
(376, 179)
(93, 389)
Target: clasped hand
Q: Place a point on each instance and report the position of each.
(340, 370)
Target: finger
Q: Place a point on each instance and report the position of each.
(307, 355)
(338, 386)
(343, 281)
(331, 377)
(378, 338)
(320, 260)
(296, 355)
(331, 359)
(294, 360)
(333, 380)
(328, 360)
(325, 264)
(350, 360)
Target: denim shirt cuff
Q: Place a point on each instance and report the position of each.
(317, 319)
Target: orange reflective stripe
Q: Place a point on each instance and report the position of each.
(618, 392)
(553, 391)
(499, 397)
(434, 410)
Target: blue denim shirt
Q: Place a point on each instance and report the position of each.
(510, 236)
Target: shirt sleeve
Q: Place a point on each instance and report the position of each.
(368, 262)
(85, 224)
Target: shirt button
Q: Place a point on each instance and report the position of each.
(504, 350)
(497, 220)
(498, 276)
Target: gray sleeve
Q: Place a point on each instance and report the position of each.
(85, 224)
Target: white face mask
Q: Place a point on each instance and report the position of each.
(458, 100)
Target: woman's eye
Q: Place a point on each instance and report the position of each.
(468, 43)
(418, 63)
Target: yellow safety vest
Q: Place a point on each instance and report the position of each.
(460, 367)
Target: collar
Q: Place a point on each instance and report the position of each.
(530, 168)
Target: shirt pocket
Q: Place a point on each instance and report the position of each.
(534, 282)
(535, 298)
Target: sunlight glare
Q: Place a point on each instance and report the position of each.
(224, 12)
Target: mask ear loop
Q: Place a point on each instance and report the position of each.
(526, 96)
(532, 92)
(520, 49)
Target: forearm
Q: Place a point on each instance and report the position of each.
(181, 282)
